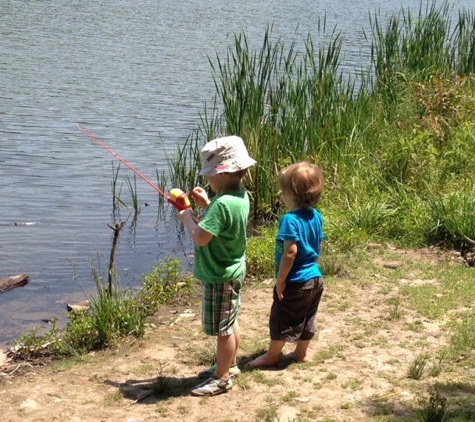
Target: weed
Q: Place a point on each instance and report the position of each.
(328, 353)
(260, 254)
(133, 192)
(330, 265)
(394, 311)
(260, 377)
(289, 398)
(353, 385)
(205, 355)
(435, 408)
(163, 285)
(417, 366)
(330, 376)
(34, 344)
(437, 366)
(113, 399)
(267, 414)
(115, 316)
(415, 325)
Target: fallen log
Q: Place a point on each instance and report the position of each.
(13, 282)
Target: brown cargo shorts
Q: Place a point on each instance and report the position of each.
(293, 317)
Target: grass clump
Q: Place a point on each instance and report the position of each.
(113, 315)
(165, 284)
(260, 253)
(418, 366)
(267, 414)
(434, 409)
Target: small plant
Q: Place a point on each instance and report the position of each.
(133, 192)
(116, 201)
(436, 367)
(162, 383)
(205, 355)
(162, 181)
(330, 264)
(415, 325)
(353, 384)
(331, 376)
(435, 409)
(113, 399)
(163, 285)
(462, 341)
(370, 216)
(80, 336)
(417, 366)
(289, 398)
(267, 414)
(261, 378)
(328, 353)
(33, 344)
(394, 311)
(260, 254)
(453, 217)
(115, 316)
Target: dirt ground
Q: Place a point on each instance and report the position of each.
(357, 369)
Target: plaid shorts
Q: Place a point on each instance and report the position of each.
(221, 303)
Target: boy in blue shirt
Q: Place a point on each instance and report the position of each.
(299, 285)
(220, 246)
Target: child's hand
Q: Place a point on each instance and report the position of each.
(200, 196)
(186, 215)
(279, 288)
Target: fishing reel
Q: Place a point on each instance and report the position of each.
(179, 199)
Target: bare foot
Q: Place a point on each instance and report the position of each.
(263, 361)
(295, 357)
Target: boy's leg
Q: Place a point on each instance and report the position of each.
(237, 339)
(271, 357)
(300, 352)
(226, 301)
(226, 351)
(227, 348)
(314, 297)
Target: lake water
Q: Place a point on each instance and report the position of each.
(135, 74)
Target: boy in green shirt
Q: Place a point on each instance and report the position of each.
(220, 240)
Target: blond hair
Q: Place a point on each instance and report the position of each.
(303, 181)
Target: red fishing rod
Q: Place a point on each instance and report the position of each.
(177, 198)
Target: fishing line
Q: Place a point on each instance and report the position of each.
(179, 205)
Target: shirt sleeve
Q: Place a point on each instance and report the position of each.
(214, 219)
(288, 230)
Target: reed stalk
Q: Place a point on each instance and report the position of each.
(133, 192)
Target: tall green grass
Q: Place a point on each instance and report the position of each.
(388, 139)
(453, 218)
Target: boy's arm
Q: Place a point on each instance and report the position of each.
(288, 256)
(200, 196)
(197, 234)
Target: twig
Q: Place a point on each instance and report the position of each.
(116, 229)
(469, 240)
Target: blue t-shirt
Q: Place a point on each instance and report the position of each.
(305, 227)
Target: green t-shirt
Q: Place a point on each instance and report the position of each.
(223, 258)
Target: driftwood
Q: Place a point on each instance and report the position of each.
(12, 282)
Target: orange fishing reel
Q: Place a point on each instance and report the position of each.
(179, 199)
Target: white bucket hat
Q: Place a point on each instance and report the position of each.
(224, 155)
